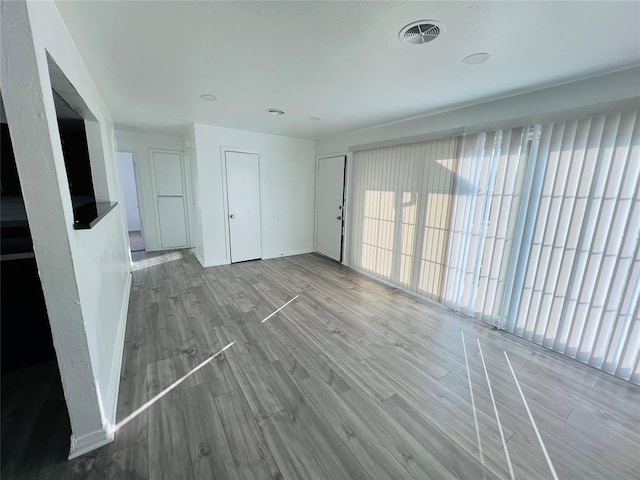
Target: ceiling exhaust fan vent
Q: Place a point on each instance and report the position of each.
(417, 33)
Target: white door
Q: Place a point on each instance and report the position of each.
(329, 205)
(243, 199)
(170, 198)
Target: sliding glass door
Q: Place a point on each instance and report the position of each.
(438, 217)
(534, 230)
(578, 276)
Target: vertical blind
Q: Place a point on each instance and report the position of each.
(400, 209)
(579, 268)
(535, 230)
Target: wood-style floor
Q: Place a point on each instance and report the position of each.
(136, 244)
(352, 380)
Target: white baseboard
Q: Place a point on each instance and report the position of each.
(215, 263)
(289, 253)
(86, 443)
(89, 442)
(225, 261)
(111, 400)
(199, 258)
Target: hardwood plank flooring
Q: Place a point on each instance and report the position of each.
(352, 380)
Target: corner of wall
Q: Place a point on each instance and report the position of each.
(200, 259)
(86, 443)
(110, 409)
(81, 444)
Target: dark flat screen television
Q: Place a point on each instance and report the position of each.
(75, 149)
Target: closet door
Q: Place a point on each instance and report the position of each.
(169, 191)
(243, 198)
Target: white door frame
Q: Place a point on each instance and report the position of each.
(225, 201)
(186, 194)
(345, 215)
(140, 204)
(346, 210)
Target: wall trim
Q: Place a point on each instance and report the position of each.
(215, 263)
(224, 261)
(110, 408)
(505, 123)
(86, 443)
(200, 259)
(290, 253)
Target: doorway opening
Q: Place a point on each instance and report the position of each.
(127, 168)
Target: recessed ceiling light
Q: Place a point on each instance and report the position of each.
(315, 119)
(422, 31)
(208, 97)
(476, 58)
(275, 111)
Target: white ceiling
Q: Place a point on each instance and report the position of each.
(341, 61)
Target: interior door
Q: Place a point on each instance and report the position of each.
(243, 199)
(170, 199)
(329, 207)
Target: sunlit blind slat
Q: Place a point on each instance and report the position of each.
(502, 222)
(536, 230)
(464, 199)
(580, 286)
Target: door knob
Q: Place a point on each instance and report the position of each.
(339, 217)
(232, 216)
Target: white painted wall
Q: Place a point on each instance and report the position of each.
(129, 190)
(287, 177)
(85, 274)
(140, 143)
(582, 97)
(191, 155)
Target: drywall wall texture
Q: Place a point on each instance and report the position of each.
(139, 143)
(287, 182)
(196, 214)
(583, 96)
(85, 274)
